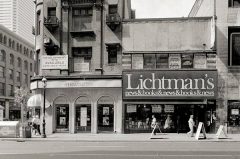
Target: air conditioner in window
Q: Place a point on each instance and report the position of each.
(46, 40)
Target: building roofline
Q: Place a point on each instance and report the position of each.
(16, 36)
(165, 19)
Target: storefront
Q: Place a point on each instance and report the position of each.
(175, 94)
(82, 106)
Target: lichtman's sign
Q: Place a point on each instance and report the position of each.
(171, 84)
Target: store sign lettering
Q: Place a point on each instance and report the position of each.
(169, 84)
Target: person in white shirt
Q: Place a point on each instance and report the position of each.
(191, 124)
(37, 122)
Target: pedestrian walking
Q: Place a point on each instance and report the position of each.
(191, 124)
(154, 124)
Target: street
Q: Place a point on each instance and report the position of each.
(154, 149)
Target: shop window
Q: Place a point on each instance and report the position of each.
(174, 61)
(2, 89)
(10, 72)
(2, 103)
(234, 3)
(233, 113)
(2, 72)
(2, 55)
(149, 61)
(161, 60)
(112, 54)
(200, 61)
(113, 9)
(187, 61)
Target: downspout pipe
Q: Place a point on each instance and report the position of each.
(101, 41)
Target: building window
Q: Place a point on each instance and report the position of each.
(31, 54)
(38, 23)
(1, 38)
(2, 72)
(26, 79)
(5, 40)
(234, 49)
(187, 61)
(10, 90)
(13, 44)
(17, 47)
(9, 43)
(2, 89)
(2, 56)
(31, 67)
(161, 60)
(19, 62)
(18, 76)
(112, 9)
(85, 52)
(26, 65)
(112, 54)
(149, 61)
(234, 3)
(10, 72)
(82, 12)
(52, 11)
(11, 59)
(20, 48)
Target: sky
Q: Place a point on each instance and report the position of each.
(162, 8)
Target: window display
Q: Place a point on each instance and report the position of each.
(233, 113)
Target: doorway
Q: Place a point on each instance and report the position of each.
(83, 118)
(105, 117)
(62, 118)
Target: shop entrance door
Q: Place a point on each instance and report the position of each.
(105, 117)
(62, 118)
(183, 113)
(83, 118)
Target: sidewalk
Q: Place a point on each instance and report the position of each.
(142, 137)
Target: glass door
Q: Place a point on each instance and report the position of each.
(83, 118)
(105, 117)
(62, 118)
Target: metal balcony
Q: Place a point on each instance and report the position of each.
(113, 20)
(51, 22)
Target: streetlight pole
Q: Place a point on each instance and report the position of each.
(44, 80)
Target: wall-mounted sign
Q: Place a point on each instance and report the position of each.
(54, 62)
(211, 61)
(137, 61)
(174, 61)
(83, 67)
(169, 84)
(169, 108)
(83, 116)
(200, 61)
(156, 108)
(131, 108)
(187, 60)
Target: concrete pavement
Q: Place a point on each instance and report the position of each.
(140, 137)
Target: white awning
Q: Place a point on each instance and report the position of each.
(34, 101)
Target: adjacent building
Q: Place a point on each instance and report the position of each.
(18, 16)
(16, 70)
(227, 45)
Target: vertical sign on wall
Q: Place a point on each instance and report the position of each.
(211, 61)
(200, 61)
(83, 116)
(137, 61)
(174, 61)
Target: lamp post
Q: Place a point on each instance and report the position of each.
(44, 80)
